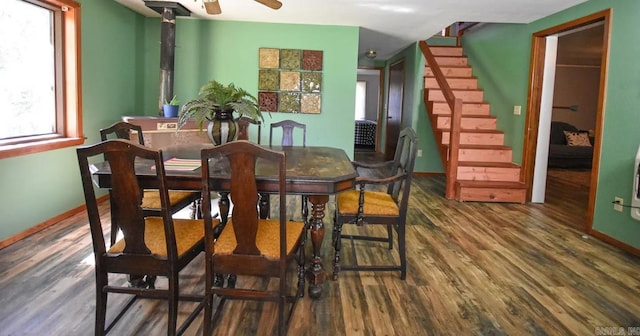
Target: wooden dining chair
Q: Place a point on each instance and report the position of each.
(288, 127)
(385, 204)
(243, 128)
(151, 245)
(248, 245)
(178, 200)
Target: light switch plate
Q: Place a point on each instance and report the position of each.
(517, 109)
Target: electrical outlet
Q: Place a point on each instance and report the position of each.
(167, 126)
(619, 202)
(419, 152)
(517, 109)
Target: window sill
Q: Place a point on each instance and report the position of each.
(8, 151)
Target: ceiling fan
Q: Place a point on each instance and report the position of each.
(213, 6)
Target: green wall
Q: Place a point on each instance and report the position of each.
(500, 55)
(120, 64)
(414, 109)
(227, 51)
(120, 57)
(40, 186)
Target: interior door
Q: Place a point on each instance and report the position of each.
(394, 108)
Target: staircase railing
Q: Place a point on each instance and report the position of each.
(451, 166)
(457, 29)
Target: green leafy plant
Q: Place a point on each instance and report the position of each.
(173, 101)
(217, 96)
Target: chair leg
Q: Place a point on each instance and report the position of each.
(231, 280)
(101, 304)
(137, 281)
(390, 235)
(337, 245)
(114, 221)
(281, 306)
(173, 305)
(208, 300)
(402, 250)
(265, 205)
(196, 209)
(301, 268)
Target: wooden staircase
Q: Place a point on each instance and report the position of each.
(485, 171)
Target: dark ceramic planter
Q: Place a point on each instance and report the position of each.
(222, 128)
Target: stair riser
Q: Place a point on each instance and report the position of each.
(470, 123)
(450, 72)
(457, 61)
(454, 83)
(489, 174)
(476, 138)
(492, 195)
(466, 96)
(488, 155)
(446, 51)
(467, 108)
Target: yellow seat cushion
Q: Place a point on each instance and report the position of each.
(267, 238)
(151, 198)
(375, 203)
(189, 232)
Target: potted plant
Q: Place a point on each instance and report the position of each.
(170, 108)
(216, 103)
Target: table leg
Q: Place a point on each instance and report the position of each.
(223, 205)
(265, 206)
(316, 272)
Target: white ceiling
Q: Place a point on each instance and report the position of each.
(386, 26)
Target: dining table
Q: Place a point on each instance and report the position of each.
(314, 171)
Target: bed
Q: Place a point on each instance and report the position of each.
(365, 133)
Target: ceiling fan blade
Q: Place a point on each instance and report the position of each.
(212, 7)
(274, 4)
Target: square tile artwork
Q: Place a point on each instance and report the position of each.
(290, 80)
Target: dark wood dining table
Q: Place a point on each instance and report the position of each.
(317, 172)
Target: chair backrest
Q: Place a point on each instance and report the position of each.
(243, 127)
(122, 130)
(239, 158)
(126, 195)
(404, 162)
(287, 132)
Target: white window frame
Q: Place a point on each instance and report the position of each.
(68, 84)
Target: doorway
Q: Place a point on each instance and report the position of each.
(368, 109)
(540, 105)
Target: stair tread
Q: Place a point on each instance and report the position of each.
(488, 164)
(491, 184)
(451, 65)
(438, 89)
(463, 103)
(445, 102)
(482, 146)
(454, 77)
(483, 116)
(474, 130)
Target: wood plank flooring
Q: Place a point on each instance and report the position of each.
(474, 269)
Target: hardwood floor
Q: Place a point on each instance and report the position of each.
(474, 269)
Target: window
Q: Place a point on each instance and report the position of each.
(39, 76)
(361, 97)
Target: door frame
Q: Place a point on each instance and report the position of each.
(379, 109)
(538, 47)
(390, 142)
